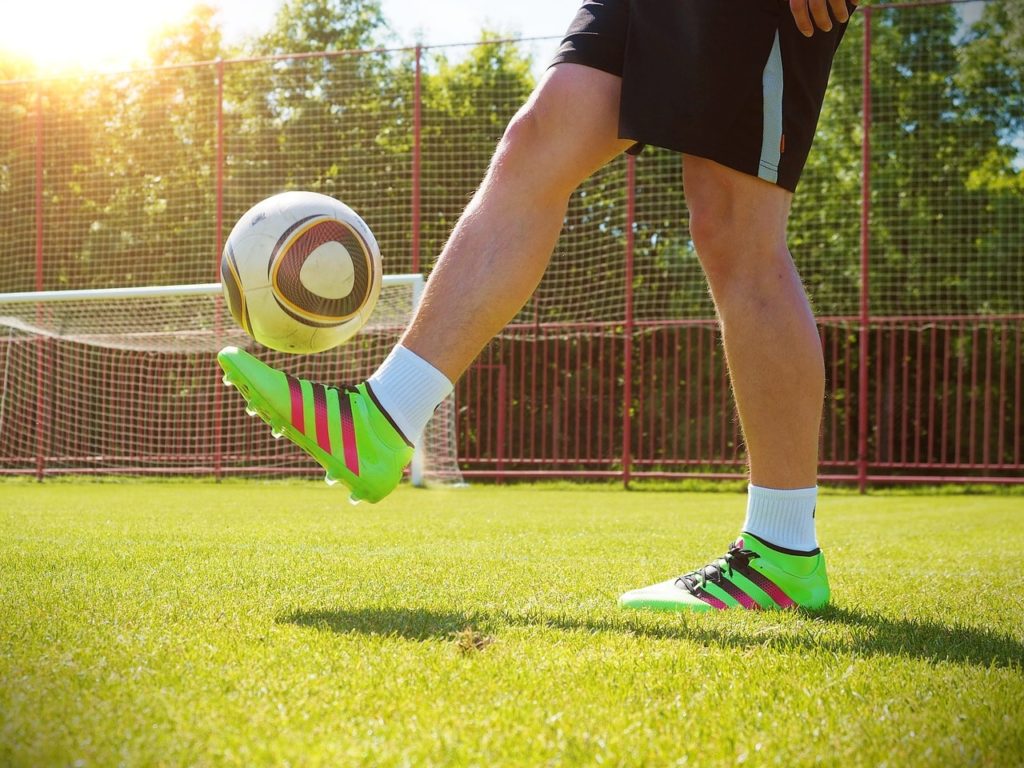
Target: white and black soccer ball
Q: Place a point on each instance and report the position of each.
(301, 272)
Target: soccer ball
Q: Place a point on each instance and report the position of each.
(301, 272)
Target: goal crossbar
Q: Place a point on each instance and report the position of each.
(156, 291)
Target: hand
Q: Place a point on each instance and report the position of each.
(806, 10)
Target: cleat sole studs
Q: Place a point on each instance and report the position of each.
(330, 480)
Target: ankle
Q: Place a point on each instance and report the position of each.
(783, 517)
(409, 389)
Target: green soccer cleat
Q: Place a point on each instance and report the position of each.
(753, 575)
(344, 429)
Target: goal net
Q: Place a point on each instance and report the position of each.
(126, 380)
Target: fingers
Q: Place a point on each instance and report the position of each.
(809, 14)
(819, 11)
(800, 15)
(839, 11)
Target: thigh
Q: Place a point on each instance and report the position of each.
(568, 128)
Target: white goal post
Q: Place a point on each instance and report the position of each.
(184, 320)
(416, 281)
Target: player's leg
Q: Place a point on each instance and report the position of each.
(772, 347)
(503, 241)
(738, 225)
(750, 90)
(501, 245)
(363, 436)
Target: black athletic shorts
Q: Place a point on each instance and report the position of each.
(733, 81)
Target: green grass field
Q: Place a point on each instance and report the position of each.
(254, 624)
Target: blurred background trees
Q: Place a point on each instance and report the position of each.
(131, 160)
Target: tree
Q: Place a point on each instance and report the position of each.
(18, 123)
(319, 123)
(938, 121)
(316, 26)
(466, 106)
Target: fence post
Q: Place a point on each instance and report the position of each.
(220, 169)
(417, 148)
(41, 342)
(627, 374)
(418, 465)
(865, 253)
(218, 396)
(502, 399)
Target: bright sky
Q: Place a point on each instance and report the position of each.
(114, 33)
(438, 21)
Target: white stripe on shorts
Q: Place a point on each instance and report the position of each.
(771, 135)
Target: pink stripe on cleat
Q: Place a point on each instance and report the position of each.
(298, 416)
(769, 587)
(738, 595)
(711, 600)
(348, 435)
(323, 434)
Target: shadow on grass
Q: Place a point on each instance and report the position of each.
(410, 624)
(838, 630)
(834, 629)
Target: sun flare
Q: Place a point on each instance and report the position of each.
(70, 34)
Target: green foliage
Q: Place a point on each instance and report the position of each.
(313, 26)
(197, 38)
(945, 221)
(466, 106)
(18, 126)
(130, 189)
(14, 67)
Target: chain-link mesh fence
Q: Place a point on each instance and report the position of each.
(134, 179)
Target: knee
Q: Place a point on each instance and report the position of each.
(523, 131)
(715, 234)
(710, 221)
(527, 133)
(519, 156)
(736, 238)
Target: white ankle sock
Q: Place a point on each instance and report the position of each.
(409, 389)
(783, 518)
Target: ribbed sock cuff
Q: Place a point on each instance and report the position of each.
(784, 518)
(409, 389)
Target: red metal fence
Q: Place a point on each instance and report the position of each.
(910, 238)
(943, 403)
